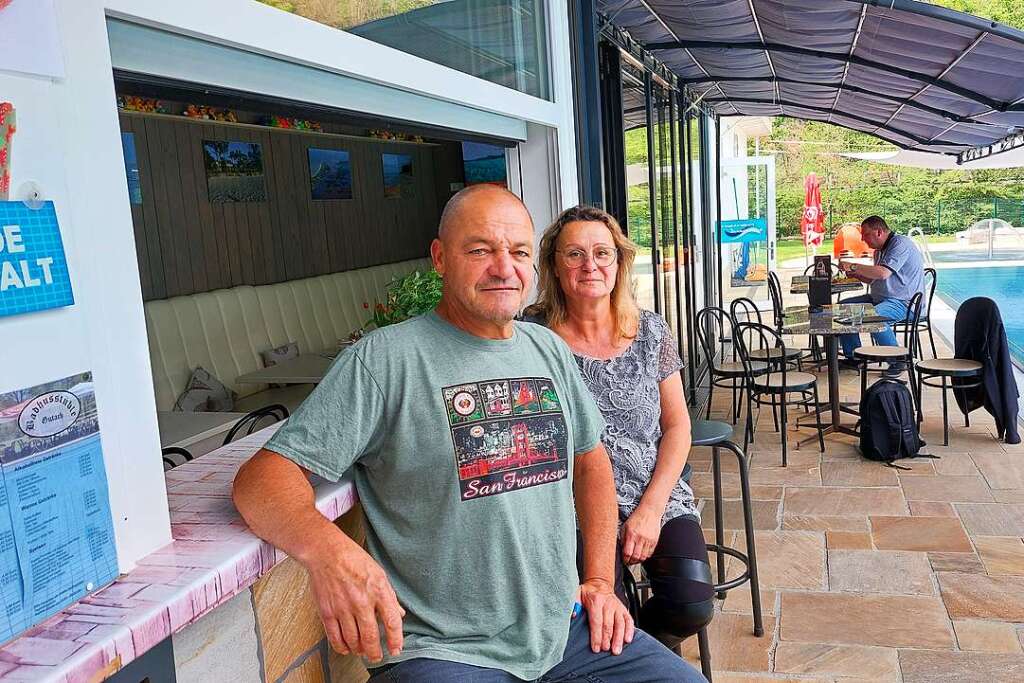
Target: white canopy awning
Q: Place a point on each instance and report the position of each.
(908, 157)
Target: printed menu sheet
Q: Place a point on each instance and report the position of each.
(56, 531)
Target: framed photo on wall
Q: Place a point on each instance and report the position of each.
(234, 171)
(398, 177)
(483, 163)
(330, 174)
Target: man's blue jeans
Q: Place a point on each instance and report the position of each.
(893, 309)
(645, 659)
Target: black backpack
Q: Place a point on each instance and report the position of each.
(888, 428)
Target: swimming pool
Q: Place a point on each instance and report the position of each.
(1002, 284)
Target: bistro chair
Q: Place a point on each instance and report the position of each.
(745, 310)
(714, 328)
(895, 354)
(250, 422)
(777, 385)
(814, 350)
(715, 435)
(925, 323)
(833, 266)
(169, 462)
(952, 373)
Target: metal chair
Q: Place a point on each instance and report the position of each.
(250, 422)
(743, 309)
(169, 463)
(714, 327)
(960, 373)
(925, 323)
(778, 384)
(895, 354)
(717, 435)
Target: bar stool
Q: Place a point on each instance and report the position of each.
(717, 435)
(960, 373)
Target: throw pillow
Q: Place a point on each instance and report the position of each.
(278, 355)
(205, 393)
(281, 353)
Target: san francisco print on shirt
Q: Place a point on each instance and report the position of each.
(508, 434)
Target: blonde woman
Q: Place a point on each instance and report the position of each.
(630, 362)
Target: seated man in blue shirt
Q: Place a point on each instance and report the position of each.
(896, 276)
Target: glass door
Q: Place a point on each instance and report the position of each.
(748, 227)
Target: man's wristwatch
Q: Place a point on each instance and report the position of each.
(852, 268)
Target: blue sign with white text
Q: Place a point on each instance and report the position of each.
(33, 269)
(745, 230)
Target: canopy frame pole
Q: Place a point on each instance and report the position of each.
(846, 67)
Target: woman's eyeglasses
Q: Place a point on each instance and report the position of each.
(602, 256)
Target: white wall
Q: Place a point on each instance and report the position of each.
(68, 141)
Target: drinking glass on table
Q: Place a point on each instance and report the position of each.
(857, 314)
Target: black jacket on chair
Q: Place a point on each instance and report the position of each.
(979, 335)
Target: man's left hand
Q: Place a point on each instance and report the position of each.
(610, 623)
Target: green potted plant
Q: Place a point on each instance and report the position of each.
(407, 296)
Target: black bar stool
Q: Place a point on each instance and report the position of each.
(717, 435)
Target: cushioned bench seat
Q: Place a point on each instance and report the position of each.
(224, 331)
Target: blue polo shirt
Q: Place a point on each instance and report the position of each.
(901, 256)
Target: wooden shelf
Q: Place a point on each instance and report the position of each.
(293, 131)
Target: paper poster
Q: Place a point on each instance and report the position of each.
(31, 41)
(33, 268)
(56, 531)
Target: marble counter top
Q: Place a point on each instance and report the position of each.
(213, 557)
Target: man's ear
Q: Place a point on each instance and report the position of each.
(437, 256)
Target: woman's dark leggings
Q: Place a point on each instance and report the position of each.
(680, 575)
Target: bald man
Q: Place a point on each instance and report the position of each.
(475, 448)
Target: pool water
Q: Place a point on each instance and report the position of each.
(1002, 284)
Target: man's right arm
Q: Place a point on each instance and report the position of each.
(352, 592)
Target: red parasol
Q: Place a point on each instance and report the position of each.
(812, 224)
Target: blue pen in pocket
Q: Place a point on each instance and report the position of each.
(577, 609)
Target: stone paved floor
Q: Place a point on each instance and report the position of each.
(869, 573)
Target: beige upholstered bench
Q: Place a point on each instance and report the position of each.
(225, 330)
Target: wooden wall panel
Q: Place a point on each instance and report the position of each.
(185, 244)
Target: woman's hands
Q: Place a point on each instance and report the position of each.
(640, 533)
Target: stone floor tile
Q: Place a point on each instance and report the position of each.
(1008, 495)
(946, 488)
(824, 523)
(766, 492)
(929, 666)
(859, 619)
(977, 596)
(730, 677)
(1000, 470)
(738, 601)
(989, 519)
(918, 468)
(848, 540)
(857, 473)
(869, 663)
(874, 571)
(765, 514)
(986, 636)
(942, 534)
(791, 475)
(786, 559)
(838, 501)
(733, 645)
(955, 464)
(703, 485)
(1001, 554)
(924, 508)
(963, 563)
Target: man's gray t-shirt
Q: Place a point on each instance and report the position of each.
(901, 256)
(461, 447)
